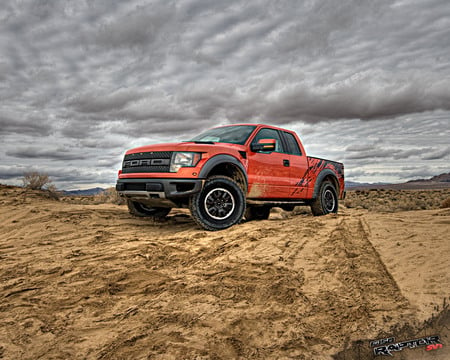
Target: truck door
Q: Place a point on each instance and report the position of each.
(298, 166)
(268, 172)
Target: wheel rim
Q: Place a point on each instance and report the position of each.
(219, 203)
(329, 201)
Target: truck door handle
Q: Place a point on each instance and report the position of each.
(286, 162)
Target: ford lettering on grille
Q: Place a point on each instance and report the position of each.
(145, 162)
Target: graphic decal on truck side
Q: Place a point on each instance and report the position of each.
(316, 166)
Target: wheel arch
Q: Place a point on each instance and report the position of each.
(226, 165)
(325, 175)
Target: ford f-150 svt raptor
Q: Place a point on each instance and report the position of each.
(227, 173)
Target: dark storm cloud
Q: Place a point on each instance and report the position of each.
(169, 129)
(48, 153)
(110, 74)
(406, 154)
(79, 129)
(162, 111)
(378, 152)
(102, 143)
(102, 100)
(12, 122)
(12, 172)
(140, 27)
(367, 98)
(437, 155)
(360, 148)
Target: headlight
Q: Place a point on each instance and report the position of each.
(184, 159)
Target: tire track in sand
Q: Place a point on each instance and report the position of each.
(351, 291)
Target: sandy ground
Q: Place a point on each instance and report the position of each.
(92, 282)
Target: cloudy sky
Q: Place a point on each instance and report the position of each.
(363, 82)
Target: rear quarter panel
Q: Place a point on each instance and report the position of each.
(316, 170)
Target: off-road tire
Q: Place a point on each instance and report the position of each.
(219, 205)
(326, 201)
(257, 213)
(141, 210)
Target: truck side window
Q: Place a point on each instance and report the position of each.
(270, 134)
(292, 144)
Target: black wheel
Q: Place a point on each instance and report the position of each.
(326, 201)
(257, 213)
(219, 205)
(139, 209)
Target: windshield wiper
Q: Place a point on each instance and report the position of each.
(200, 142)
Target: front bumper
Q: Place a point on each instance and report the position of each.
(158, 192)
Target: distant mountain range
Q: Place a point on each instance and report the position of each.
(438, 178)
(351, 184)
(92, 191)
(441, 181)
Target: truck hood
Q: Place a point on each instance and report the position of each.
(188, 146)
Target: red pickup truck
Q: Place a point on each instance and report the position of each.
(228, 173)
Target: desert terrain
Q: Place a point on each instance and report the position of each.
(85, 280)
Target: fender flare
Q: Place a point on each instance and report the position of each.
(322, 175)
(222, 159)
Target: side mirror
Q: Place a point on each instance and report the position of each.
(264, 145)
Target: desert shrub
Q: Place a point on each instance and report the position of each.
(397, 200)
(41, 184)
(446, 203)
(110, 196)
(407, 205)
(53, 193)
(36, 180)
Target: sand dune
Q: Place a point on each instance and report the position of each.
(93, 282)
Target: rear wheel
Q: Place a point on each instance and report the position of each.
(257, 213)
(326, 201)
(139, 209)
(219, 205)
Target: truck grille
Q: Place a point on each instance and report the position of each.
(147, 162)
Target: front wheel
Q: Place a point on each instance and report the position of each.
(326, 201)
(219, 205)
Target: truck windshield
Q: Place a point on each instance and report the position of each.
(237, 134)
